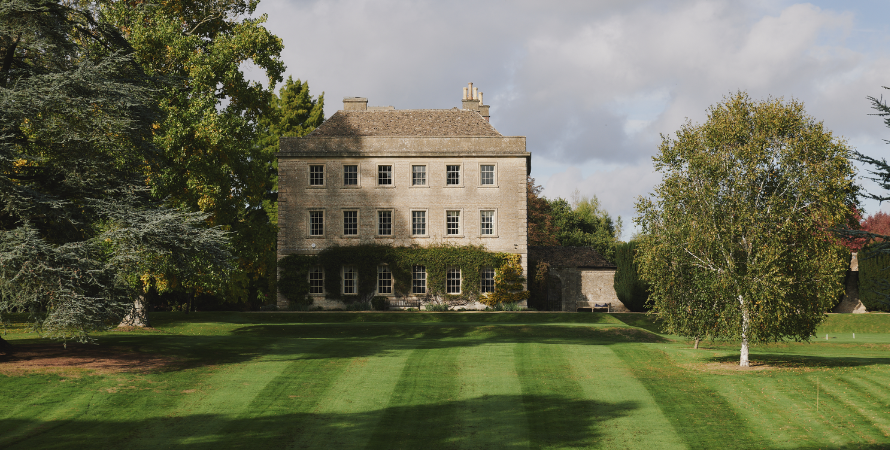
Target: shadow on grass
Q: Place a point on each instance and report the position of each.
(640, 320)
(277, 342)
(785, 361)
(169, 319)
(509, 421)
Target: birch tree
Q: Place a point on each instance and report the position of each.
(736, 242)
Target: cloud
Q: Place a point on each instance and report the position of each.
(592, 84)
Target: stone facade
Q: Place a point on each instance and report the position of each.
(577, 277)
(363, 166)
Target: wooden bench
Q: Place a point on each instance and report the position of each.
(604, 306)
(400, 303)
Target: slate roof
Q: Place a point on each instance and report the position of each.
(563, 257)
(405, 122)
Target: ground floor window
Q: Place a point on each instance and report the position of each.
(316, 281)
(452, 281)
(384, 280)
(418, 280)
(349, 278)
(487, 278)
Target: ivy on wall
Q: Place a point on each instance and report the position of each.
(294, 285)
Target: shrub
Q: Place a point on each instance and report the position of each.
(874, 279)
(436, 307)
(272, 307)
(632, 291)
(359, 306)
(380, 303)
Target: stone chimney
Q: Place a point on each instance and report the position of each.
(355, 104)
(473, 101)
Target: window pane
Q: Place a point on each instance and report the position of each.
(384, 175)
(486, 219)
(418, 175)
(316, 281)
(487, 277)
(350, 223)
(452, 281)
(350, 175)
(418, 280)
(384, 223)
(452, 222)
(453, 174)
(316, 175)
(384, 280)
(316, 223)
(349, 276)
(487, 175)
(418, 223)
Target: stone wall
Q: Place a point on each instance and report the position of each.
(507, 197)
(582, 288)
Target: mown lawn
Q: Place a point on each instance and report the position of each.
(450, 380)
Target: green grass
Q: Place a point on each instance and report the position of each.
(456, 380)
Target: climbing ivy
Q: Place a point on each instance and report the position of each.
(365, 259)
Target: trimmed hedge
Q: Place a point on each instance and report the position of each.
(630, 289)
(874, 279)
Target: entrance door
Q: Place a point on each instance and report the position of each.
(554, 294)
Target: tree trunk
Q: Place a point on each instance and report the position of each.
(5, 347)
(696, 342)
(743, 360)
(138, 316)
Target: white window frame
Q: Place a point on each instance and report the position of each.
(309, 223)
(426, 176)
(392, 176)
(358, 222)
(323, 175)
(351, 270)
(417, 281)
(449, 272)
(358, 176)
(494, 223)
(494, 175)
(482, 280)
(426, 223)
(315, 271)
(460, 224)
(382, 269)
(392, 219)
(460, 175)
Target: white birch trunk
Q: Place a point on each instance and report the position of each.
(743, 360)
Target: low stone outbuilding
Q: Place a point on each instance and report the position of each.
(576, 277)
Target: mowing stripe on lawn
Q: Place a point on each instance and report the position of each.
(228, 394)
(421, 412)
(558, 414)
(350, 411)
(699, 414)
(606, 378)
(492, 414)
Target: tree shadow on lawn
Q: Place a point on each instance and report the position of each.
(276, 342)
(501, 421)
(174, 319)
(786, 361)
(355, 341)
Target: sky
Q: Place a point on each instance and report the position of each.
(593, 85)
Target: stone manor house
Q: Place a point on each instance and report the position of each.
(373, 174)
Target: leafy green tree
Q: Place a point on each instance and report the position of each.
(735, 241)
(292, 113)
(541, 230)
(585, 225)
(210, 114)
(628, 286)
(78, 231)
